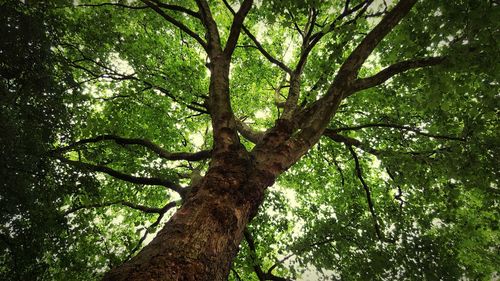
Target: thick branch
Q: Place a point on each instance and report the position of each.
(175, 22)
(249, 133)
(387, 73)
(356, 59)
(122, 176)
(214, 46)
(293, 96)
(236, 26)
(314, 119)
(197, 156)
(306, 47)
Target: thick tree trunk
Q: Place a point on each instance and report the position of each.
(202, 238)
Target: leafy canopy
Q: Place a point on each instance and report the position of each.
(96, 95)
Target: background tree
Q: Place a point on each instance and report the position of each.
(35, 114)
(360, 139)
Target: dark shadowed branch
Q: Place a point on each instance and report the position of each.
(350, 141)
(396, 126)
(120, 175)
(235, 273)
(177, 8)
(337, 166)
(399, 195)
(119, 5)
(253, 253)
(142, 208)
(155, 7)
(105, 72)
(330, 133)
(196, 156)
(152, 227)
(263, 276)
(369, 200)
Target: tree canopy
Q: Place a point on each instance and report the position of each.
(109, 122)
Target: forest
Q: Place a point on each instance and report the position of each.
(249, 140)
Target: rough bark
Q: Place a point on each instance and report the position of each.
(200, 241)
(202, 238)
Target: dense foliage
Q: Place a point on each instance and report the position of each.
(402, 186)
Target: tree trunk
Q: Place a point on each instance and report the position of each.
(202, 238)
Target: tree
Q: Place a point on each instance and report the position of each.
(34, 115)
(356, 137)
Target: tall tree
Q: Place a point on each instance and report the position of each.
(359, 138)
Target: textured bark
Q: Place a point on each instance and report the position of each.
(200, 241)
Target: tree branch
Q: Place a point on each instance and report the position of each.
(142, 208)
(113, 4)
(312, 39)
(114, 75)
(337, 166)
(197, 156)
(350, 141)
(314, 118)
(150, 228)
(122, 176)
(376, 152)
(249, 133)
(399, 195)
(175, 22)
(367, 192)
(263, 276)
(236, 275)
(213, 45)
(397, 68)
(258, 45)
(236, 26)
(353, 63)
(395, 126)
(251, 246)
(178, 8)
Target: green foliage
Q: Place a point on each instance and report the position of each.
(71, 73)
(34, 116)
